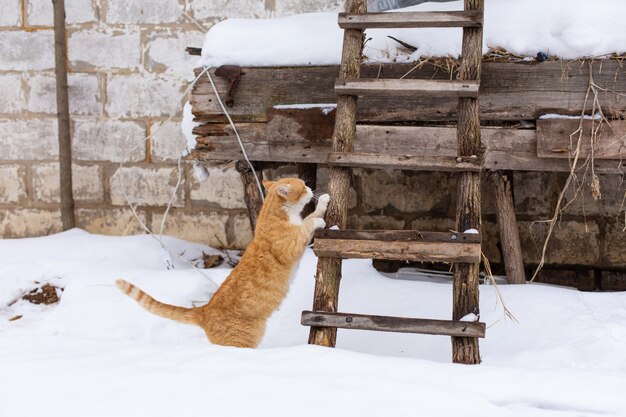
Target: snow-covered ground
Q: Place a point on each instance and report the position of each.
(564, 28)
(97, 353)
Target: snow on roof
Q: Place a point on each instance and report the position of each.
(565, 28)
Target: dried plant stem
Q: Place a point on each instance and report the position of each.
(573, 165)
(489, 274)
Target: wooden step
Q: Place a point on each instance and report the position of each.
(407, 87)
(406, 162)
(393, 324)
(411, 20)
(407, 245)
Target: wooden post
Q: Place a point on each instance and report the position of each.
(465, 277)
(252, 196)
(308, 174)
(507, 224)
(63, 116)
(328, 269)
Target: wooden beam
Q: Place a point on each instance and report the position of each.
(508, 91)
(557, 138)
(410, 20)
(507, 225)
(407, 88)
(398, 245)
(406, 162)
(283, 141)
(393, 324)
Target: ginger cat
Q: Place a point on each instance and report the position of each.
(237, 313)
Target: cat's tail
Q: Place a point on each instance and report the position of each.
(182, 314)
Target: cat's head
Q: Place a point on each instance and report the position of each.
(292, 191)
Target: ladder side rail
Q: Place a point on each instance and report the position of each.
(465, 275)
(328, 274)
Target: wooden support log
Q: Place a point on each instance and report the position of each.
(252, 195)
(465, 275)
(329, 270)
(63, 115)
(393, 324)
(507, 225)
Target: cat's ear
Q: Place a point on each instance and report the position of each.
(283, 189)
(267, 184)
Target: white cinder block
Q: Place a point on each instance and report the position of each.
(143, 11)
(146, 186)
(84, 94)
(12, 184)
(223, 188)
(12, 97)
(86, 183)
(166, 52)
(39, 12)
(10, 15)
(23, 51)
(108, 140)
(138, 96)
(230, 8)
(29, 139)
(104, 49)
(167, 142)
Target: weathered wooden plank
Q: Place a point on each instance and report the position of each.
(440, 247)
(506, 149)
(407, 88)
(557, 138)
(397, 235)
(410, 19)
(508, 91)
(393, 324)
(405, 162)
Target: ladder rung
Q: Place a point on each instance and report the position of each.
(393, 324)
(406, 245)
(407, 162)
(407, 87)
(411, 20)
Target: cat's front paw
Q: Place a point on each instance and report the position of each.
(319, 223)
(322, 202)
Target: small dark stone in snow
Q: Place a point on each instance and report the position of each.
(541, 56)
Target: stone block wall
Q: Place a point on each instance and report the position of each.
(128, 72)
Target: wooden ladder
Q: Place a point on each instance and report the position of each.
(461, 249)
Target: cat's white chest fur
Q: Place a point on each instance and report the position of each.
(293, 212)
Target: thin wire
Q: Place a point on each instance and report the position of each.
(232, 124)
(133, 208)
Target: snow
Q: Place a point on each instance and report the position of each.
(596, 116)
(97, 353)
(469, 317)
(565, 28)
(325, 107)
(471, 231)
